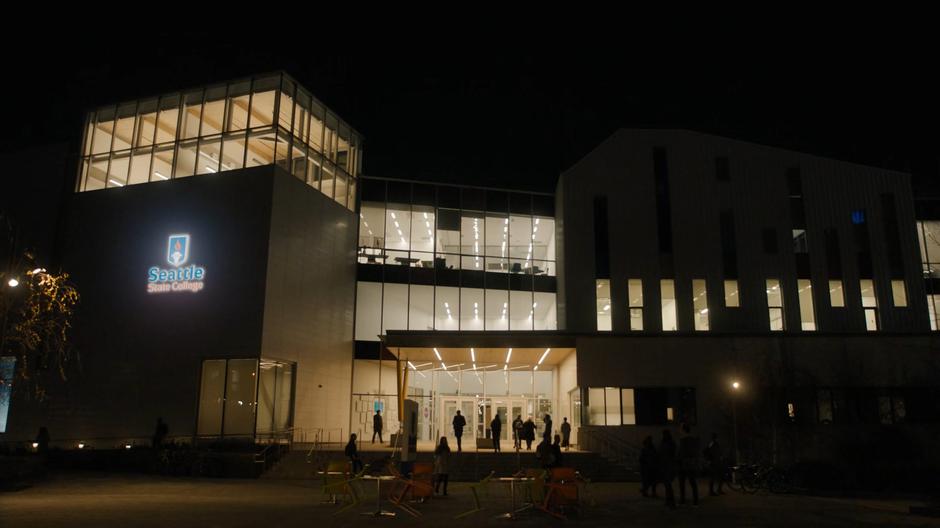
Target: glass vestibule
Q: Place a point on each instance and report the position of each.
(245, 398)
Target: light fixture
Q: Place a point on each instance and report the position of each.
(159, 175)
(81, 445)
(115, 182)
(735, 385)
(544, 355)
(473, 356)
(35, 445)
(211, 170)
(37, 270)
(508, 355)
(412, 365)
(127, 446)
(13, 283)
(606, 307)
(393, 216)
(438, 354)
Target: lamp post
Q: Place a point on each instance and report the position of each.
(735, 386)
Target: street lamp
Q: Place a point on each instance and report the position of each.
(13, 283)
(735, 386)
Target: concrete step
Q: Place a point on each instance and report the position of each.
(464, 467)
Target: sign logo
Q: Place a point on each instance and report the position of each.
(177, 249)
(178, 278)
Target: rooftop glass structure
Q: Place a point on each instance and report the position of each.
(263, 120)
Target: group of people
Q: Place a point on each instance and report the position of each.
(682, 461)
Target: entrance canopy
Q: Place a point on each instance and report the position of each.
(478, 350)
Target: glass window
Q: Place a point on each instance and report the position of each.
(233, 152)
(446, 308)
(421, 308)
(869, 303)
(167, 119)
(140, 167)
(807, 311)
(397, 232)
(117, 169)
(635, 295)
(700, 304)
(146, 123)
(775, 304)
(520, 240)
(368, 311)
(185, 159)
(314, 165)
(667, 288)
(104, 128)
(237, 103)
(211, 398)
(97, 173)
(124, 126)
(899, 293)
(327, 179)
(339, 194)
(422, 229)
(342, 149)
(543, 241)
(192, 109)
(89, 134)
(471, 383)
(371, 232)
(267, 385)
(395, 307)
(240, 393)
(497, 310)
(472, 238)
(209, 151)
(260, 149)
(162, 163)
(603, 305)
(596, 409)
(262, 102)
(448, 231)
(286, 107)
(545, 312)
(628, 406)
(316, 126)
(471, 309)
(732, 299)
(213, 112)
(283, 397)
(521, 310)
(800, 244)
(612, 405)
(836, 297)
(933, 308)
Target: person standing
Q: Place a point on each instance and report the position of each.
(496, 429)
(377, 426)
(441, 460)
(556, 451)
(667, 467)
(528, 433)
(565, 434)
(648, 468)
(352, 453)
(688, 463)
(517, 432)
(459, 423)
(548, 429)
(716, 470)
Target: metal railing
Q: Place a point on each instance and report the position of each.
(323, 437)
(611, 447)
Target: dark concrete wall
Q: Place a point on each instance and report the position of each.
(309, 305)
(140, 353)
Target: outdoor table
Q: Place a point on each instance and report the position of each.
(379, 512)
(332, 495)
(511, 514)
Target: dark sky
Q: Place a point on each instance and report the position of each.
(514, 115)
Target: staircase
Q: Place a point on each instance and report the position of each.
(464, 467)
(615, 450)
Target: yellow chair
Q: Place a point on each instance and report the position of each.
(337, 481)
(475, 490)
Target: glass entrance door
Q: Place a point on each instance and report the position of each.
(448, 407)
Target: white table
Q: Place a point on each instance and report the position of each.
(379, 512)
(511, 514)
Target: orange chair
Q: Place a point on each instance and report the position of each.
(418, 484)
(561, 492)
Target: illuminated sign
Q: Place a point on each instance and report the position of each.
(180, 277)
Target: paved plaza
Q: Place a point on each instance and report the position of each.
(107, 500)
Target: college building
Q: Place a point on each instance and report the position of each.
(241, 279)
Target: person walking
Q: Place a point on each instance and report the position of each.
(377, 426)
(548, 428)
(648, 468)
(441, 460)
(716, 470)
(459, 423)
(496, 428)
(528, 433)
(667, 467)
(543, 452)
(688, 463)
(352, 453)
(565, 434)
(517, 432)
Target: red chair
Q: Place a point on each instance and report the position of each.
(561, 492)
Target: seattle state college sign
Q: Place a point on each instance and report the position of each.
(180, 277)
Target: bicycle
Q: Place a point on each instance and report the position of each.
(755, 477)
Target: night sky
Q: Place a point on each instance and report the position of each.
(515, 116)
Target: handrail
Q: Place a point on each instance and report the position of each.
(612, 447)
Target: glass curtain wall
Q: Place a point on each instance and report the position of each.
(245, 398)
(245, 123)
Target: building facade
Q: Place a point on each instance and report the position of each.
(241, 279)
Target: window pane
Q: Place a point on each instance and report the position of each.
(869, 299)
(124, 127)
(446, 308)
(185, 159)
(668, 296)
(239, 418)
(636, 319)
(371, 232)
(397, 228)
(208, 161)
(520, 240)
(260, 149)
(472, 238)
(395, 307)
(603, 305)
(236, 112)
(233, 152)
(117, 169)
(775, 304)
(520, 310)
(612, 396)
(635, 292)
(627, 406)
(162, 164)
(340, 193)
(421, 308)
(213, 112)
(167, 119)
(316, 126)
(192, 109)
(471, 309)
(283, 398)
(700, 304)
(545, 314)
(327, 178)
(101, 140)
(799, 241)
(807, 311)
(262, 104)
(836, 298)
(497, 310)
(543, 245)
(97, 173)
(140, 167)
(368, 311)
(899, 293)
(871, 319)
(732, 299)
(211, 394)
(286, 108)
(146, 123)
(596, 409)
(267, 381)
